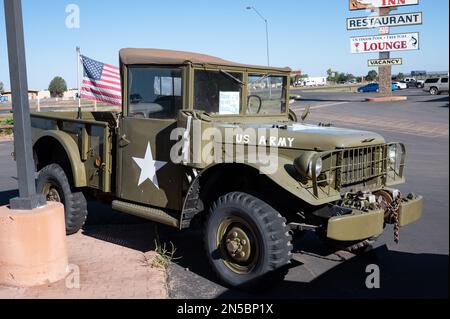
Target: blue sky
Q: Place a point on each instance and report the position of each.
(307, 35)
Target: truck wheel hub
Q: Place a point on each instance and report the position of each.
(52, 193)
(238, 244)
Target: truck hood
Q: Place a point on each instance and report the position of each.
(304, 137)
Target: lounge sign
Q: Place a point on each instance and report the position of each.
(385, 43)
(371, 4)
(385, 62)
(393, 20)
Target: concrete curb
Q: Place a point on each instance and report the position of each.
(387, 99)
(6, 138)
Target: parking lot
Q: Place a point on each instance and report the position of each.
(417, 267)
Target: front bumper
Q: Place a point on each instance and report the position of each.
(361, 225)
(411, 211)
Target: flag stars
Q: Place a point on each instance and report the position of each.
(93, 68)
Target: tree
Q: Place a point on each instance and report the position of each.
(331, 75)
(57, 87)
(1, 87)
(400, 77)
(372, 76)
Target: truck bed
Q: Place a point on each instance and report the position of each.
(86, 141)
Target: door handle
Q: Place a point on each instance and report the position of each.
(124, 141)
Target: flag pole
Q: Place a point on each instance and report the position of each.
(78, 81)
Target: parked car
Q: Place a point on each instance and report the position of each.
(436, 86)
(374, 87)
(401, 85)
(414, 83)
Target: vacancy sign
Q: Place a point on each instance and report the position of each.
(371, 4)
(385, 62)
(385, 43)
(393, 20)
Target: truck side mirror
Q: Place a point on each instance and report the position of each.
(306, 113)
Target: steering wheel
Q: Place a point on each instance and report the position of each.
(259, 100)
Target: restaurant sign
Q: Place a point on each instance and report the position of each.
(393, 20)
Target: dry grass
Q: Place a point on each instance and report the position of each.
(164, 255)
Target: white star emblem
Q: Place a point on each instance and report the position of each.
(149, 167)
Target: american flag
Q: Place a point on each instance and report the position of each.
(101, 82)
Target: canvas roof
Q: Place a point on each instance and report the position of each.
(131, 56)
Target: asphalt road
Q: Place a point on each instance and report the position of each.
(415, 268)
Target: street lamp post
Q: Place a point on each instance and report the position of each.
(267, 44)
(267, 32)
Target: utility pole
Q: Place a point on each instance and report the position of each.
(28, 199)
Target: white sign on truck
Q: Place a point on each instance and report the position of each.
(393, 20)
(371, 4)
(385, 43)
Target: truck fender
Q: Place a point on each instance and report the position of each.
(281, 177)
(285, 180)
(72, 152)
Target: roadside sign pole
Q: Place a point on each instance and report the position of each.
(385, 71)
(28, 199)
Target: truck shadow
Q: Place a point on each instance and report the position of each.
(402, 276)
(319, 272)
(6, 196)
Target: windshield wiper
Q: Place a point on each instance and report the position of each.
(235, 79)
(262, 78)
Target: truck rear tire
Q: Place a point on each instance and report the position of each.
(54, 184)
(247, 242)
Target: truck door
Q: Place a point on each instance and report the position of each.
(147, 174)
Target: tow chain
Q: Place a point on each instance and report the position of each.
(394, 213)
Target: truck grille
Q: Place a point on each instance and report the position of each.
(360, 164)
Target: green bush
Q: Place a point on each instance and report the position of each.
(8, 122)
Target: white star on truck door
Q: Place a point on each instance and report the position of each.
(149, 167)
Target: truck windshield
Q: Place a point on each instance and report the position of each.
(218, 92)
(266, 94)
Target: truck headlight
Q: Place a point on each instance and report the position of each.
(392, 153)
(319, 165)
(304, 164)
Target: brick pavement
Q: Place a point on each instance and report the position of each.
(113, 263)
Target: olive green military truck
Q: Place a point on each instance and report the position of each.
(201, 139)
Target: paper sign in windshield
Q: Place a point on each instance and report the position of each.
(229, 103)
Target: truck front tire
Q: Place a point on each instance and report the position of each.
(247, 241)
(54, 184)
